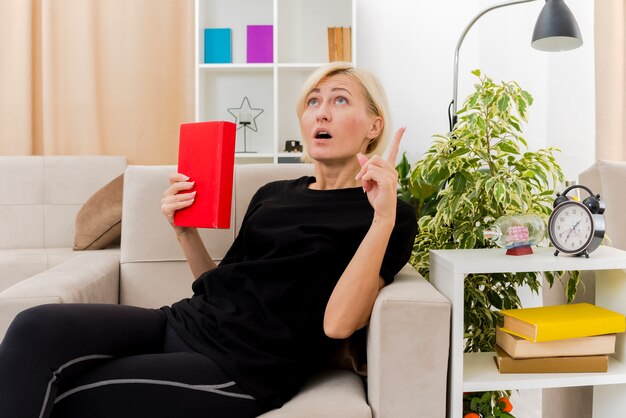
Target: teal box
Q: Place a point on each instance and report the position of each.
(217, 46)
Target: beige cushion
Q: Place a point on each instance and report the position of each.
(99, 221)
(19, 264)
(143, 223)
(22, 226)
(332, 394)
(152, 284)
(91, 277)
(41, 195)
(22, 180)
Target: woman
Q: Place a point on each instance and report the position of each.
(303, 273)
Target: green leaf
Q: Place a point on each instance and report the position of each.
(403, 168)
(500, 191)
(459, 182)
(503, 103)
(458, 153)
(494, 298)
(521, 107)
(507, 146)
(476, 72)
(469, 241)
(527, 97)
(487, 99)
(486, 397)
(474, 404)
(572, 286)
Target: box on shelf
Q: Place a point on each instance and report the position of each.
(217, 46)
(260, 46)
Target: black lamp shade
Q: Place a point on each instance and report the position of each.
(556, 28)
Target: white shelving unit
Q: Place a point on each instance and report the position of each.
(300, 46)
(474, 372)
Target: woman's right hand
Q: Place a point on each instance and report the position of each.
(177, 197)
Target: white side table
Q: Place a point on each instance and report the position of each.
(475, 372)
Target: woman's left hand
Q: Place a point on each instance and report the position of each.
(380, 179)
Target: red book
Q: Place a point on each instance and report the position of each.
(206, 153)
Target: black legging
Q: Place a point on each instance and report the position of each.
(78, 360)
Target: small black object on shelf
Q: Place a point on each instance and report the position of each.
(293, 146)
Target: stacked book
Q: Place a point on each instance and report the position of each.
(339, 44)
(572, 338)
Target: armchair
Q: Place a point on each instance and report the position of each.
(408, 335)
(606, 178)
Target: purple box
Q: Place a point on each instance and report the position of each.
(260, 43)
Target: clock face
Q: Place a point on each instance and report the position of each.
(571, 227)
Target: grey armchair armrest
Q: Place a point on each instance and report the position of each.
(407, 349)
(92, 277)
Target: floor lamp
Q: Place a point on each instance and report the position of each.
(556, 30)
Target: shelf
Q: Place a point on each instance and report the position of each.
(494, 260)
(234, 14)
(236, 67)
(476, 372)
(261, 67)
(300, 67)
(303, 24)
(253, 155)
(300, 46)
(481, 374)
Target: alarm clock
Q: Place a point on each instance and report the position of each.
(576, 228)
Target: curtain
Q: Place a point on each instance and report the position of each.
(96, 77)
(610, 47)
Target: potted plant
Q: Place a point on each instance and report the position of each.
(467, 179)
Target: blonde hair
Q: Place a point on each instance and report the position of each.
(373, 92)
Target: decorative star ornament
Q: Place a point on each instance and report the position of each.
(245, 115)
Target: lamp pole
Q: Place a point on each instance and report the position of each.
(455, 85)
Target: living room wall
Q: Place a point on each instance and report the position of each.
(410, 45)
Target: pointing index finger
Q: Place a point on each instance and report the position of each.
(395, 146)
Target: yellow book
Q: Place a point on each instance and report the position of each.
(549, 323)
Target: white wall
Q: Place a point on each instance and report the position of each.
(410, 45)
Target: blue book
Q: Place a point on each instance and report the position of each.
(217, 46)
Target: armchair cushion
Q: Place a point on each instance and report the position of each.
(330, 394)
(99, 220)
(87, 278)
